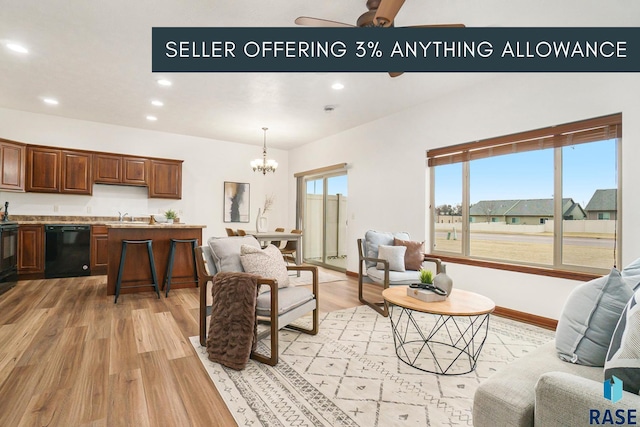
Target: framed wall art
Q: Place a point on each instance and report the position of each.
(236, 202)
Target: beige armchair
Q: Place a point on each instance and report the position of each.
(278, 307)
(369, 263)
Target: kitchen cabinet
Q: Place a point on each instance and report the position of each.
(31, 249)
(123, 170)
(43, 170)
(135, 171)
(99, 250)
(166, 179)
(76, 172)
(12, 165)
(58, 171)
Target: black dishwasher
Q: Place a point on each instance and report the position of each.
(67, 250)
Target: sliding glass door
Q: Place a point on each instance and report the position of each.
(325, 220)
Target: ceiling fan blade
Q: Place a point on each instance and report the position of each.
(317, 22)
(437, 26)
(395, 73)
(387, 11)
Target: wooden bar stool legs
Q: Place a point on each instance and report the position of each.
(152, 266)
(172, 253)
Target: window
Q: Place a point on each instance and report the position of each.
(512, 188)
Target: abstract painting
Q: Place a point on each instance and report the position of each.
(236, 202)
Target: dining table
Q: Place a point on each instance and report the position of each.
(283, 236)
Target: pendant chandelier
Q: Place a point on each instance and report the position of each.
(263, 165)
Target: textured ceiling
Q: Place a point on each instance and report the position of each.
(95, 58)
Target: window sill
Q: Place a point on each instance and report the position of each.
(540, 271)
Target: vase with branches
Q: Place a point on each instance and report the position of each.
(262, 223)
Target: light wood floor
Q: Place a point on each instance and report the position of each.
(70, 357)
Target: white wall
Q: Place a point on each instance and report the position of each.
(207, 164)
(388, 180)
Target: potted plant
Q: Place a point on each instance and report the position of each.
(170, 215)
(426, 276)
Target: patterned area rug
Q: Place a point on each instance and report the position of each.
(349, 375)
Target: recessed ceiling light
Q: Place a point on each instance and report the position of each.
(152, 118)
(157, 103)
(164, 82)
(17, 48)
(50, 101)
(337, 86)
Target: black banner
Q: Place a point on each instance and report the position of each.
(302, 49)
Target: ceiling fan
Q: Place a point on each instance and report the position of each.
(380, 13)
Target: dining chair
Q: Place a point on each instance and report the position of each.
(277, 243)
(230, 232)
(289, 250)
(241, 232)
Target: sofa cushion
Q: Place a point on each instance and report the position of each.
(288, 299)
(414, 256)
(623, 358)
(394, 255)
(395, 277)
(631, 274)
(589, 318)
(267, 263)
(226, 251)
(372, 239)
(508, 396)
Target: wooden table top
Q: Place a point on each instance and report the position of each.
(459, 303)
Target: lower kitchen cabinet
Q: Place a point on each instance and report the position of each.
(31, 250)
(99, 250)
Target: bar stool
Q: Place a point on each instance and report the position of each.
(152, 266)
(172, 253)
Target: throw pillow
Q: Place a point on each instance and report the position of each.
(267, 263)
(623, 358)
(414, 256)
(393, 254)
(589, 318)
(226, 251)
(631, 273)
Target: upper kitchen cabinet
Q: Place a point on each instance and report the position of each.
(166, 179)
(43, 169)
(12, 165)
(135, 171)
(58, 171)
(122, 170)
(76, 173)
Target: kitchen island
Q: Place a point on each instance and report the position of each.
(136, 268)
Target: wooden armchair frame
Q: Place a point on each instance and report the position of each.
(381, 307)
(272, 359)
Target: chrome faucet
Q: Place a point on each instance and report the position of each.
(121, 216)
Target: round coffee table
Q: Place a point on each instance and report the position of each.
(443, 337)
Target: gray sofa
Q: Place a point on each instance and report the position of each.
(540, 389)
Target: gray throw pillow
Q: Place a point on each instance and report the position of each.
(623, 358)
(589, 318)
(393, 254)
(373, 239)
(267, 263)
(226, 251)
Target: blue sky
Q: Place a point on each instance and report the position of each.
(586, 168)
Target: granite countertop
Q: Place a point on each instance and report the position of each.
(111, 222)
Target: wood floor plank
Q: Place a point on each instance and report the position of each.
(15, 392)
(164, 405)
(145, 329)
(174, 343)
(203, 407)
(127, 404)
(123, 352)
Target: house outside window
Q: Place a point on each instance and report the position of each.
(541, 175)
